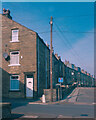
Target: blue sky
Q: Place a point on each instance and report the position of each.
(73, 27)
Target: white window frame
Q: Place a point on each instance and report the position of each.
(12, 37)
(18, 59)
(13, 79)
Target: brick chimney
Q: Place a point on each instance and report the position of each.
(56, 55)
(59, 57)
(47, 45)
(6, 13)
(66, 62)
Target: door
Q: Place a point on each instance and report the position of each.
(29, 86)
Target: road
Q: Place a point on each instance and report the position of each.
(55, 111)
(78, 105)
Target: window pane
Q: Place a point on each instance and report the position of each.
(14, 58)
(14, 35)
(15, 53)
(14, 31)
(14, 84)
(14, 38)
(14, 77)
(29, 76)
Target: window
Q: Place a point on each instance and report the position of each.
(14, 82)
(15, 35)
(14, 58)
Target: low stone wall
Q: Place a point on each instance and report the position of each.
(58, 93)
(6, 110)
(47, 93)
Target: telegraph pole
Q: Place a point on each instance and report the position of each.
(94, 81)
(51, 50)
(63, 72)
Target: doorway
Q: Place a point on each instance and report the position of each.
(29, 86)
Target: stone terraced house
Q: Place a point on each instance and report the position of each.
(26, 61)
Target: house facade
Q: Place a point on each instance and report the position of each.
(26, 61)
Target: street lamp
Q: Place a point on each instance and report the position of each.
(51, 51)
(72, 73)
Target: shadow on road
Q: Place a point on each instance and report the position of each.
(67, 93)
(18, 102)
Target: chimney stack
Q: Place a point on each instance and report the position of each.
(47, 45)
(59, 57)
(7, 13)
(56, 54)
(66, 62)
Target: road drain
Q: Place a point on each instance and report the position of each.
(84, 115)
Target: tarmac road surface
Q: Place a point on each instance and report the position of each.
(80, 104)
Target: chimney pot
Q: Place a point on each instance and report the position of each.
(7, 13)
(3, 9)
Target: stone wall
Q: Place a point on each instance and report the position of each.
(58, 93)
(27, 57)
(47, 93)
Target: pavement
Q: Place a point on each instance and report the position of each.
(81, 95)
(86, 95)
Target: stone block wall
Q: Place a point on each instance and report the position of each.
(58, 93)
(27, 57)
(47, 93)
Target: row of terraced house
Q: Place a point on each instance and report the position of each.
(26, 63)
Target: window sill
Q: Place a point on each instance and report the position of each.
(14, 41)
(14, 90)
(14, 65)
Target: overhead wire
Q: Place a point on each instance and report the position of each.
(66, 45)
(70, 16)
(74, 53)
(67, 32)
